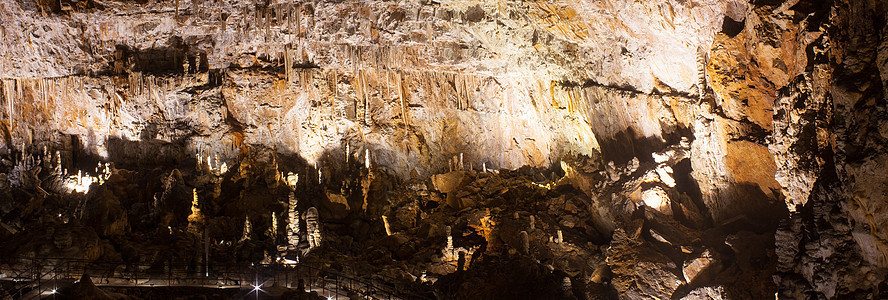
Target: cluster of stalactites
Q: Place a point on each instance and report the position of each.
(212, 164)
(456, 164)
(25, 170)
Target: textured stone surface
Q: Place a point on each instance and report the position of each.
(719, 148)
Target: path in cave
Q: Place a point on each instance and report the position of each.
(43, 277)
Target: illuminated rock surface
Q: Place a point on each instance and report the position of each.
(720, 149)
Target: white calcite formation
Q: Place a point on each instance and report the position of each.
(480, 70)
(293, 227)
(693, 115)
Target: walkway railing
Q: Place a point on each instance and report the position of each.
(31, 274)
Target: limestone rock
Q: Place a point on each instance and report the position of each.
(638, 270)
(696, 266)
(451, 181)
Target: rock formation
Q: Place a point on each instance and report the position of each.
(293, 227)
(312, 228)
(627, 148)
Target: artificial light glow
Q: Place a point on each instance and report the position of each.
(656, 198)
(53, 291)
(547, 186)
(329, 297)
(257, 287)
(79, 183)
(291, 179)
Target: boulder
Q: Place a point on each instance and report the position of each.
(451, 181)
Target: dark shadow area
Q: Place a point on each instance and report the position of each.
(527, 279)
(147, 154)
(625, 145)
(732, 28)
(172, 58)
(816, 12)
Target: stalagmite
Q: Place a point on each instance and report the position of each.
(449, 238)
(566, 286)
(560, 237)
(293, 231)
(449, 253)
(58, 163)
(532, 223)
(274, 227)
(462, 167)
(195, 220)
(525, 242)
(385, 222)
(484, 166)
(248, 230)
(347, 149)
(313, 228)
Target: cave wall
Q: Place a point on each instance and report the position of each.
(782, 101)
(508, 84)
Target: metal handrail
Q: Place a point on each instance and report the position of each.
(220, 275)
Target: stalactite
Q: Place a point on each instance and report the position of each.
(701, 73)
(403, 106)
(367, 158)
(366, 96)
(288, 63)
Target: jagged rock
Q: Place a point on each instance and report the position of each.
(104, 212)
(451, 181)
(338, 205)
(638, 270)
(694, 267)
(85, 289)
(756, 131)
(706, 293)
